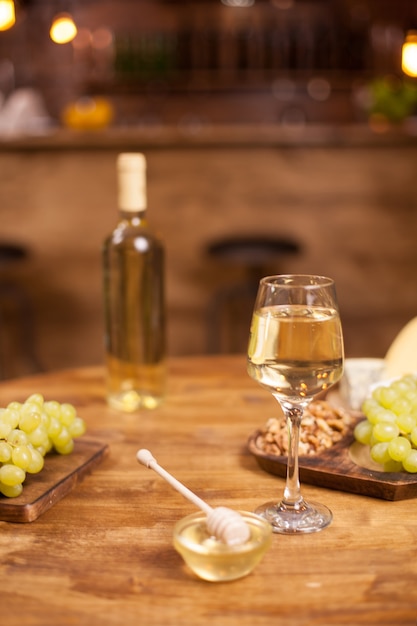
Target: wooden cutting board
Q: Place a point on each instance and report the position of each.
(58, 477)
(345, 467)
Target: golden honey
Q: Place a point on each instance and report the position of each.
(215, 561)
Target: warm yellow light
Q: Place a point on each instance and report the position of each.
(7, 14)
(63, 29)
(409, 54)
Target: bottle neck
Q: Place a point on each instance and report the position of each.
(135, 218)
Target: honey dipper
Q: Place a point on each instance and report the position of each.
(223, 523)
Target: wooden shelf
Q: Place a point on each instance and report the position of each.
(210, 81)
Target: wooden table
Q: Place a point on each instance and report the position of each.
(103, 555)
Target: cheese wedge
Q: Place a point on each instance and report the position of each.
(401, 357)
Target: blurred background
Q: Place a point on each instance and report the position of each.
(281, 136)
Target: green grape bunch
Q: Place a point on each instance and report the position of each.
(28, 431)
(390, 427)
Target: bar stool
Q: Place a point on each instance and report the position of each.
(17, 336)
(230, 308)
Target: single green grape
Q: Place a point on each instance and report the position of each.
(52, 408)
(36, 398)
(37, 462)
(399, 448)
(5, 451)
(411, 396)
(11, 491)
(11, 475)
(4, 430)
(370, 405)
(17, 437)
(379, 453)
(385, 415)
(363, 431)
(68, 414)
(77, 428)
(11, 417)
(410, 462)
(66, 448)
(29, 421)
(385, 431)
(14, 406)
(393, 466)
(22, 457)
(29, 407)
(55, 427)
(385, 396)
(405, 423)
(376, 394)
(38, 437)
(62, 438)
(400, 406)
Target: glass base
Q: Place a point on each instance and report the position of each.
(132, 400)
(304, 517)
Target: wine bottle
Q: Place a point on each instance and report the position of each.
(133, 267)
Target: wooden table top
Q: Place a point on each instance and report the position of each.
(103, 555)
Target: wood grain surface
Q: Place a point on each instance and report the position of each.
(103, 555)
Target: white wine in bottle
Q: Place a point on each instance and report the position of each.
(133, 265)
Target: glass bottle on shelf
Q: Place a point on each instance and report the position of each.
(133, 267)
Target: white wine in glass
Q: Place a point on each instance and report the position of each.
(295, 352)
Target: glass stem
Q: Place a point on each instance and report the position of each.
(292, 495)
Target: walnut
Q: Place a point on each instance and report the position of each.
(322, 426)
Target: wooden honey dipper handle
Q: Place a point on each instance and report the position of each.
(225, 524)
(146, 458)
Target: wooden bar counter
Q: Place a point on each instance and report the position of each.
(103, 555)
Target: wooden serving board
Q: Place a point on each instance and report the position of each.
(344, 467)
(58, 477)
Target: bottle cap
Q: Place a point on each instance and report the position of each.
(131, 168)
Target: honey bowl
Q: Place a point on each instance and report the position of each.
(214, 560)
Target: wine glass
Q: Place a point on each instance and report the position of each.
(295, 351)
